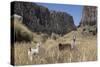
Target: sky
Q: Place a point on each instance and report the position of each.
(73, 10)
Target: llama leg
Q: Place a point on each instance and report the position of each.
(30, 55)
(72, 45)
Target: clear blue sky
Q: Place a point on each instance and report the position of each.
(73, 10)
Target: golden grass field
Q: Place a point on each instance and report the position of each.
(49, 52)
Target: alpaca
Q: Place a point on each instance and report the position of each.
(33, 51)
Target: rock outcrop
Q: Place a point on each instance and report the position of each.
(89, 16)
(89, 20)
(61, 22)
(40, 19)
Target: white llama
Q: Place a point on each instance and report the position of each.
(73, 43)
(33, 51)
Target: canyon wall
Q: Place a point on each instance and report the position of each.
(40, 19)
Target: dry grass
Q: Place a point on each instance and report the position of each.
(49, 52)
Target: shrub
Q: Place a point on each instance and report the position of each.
(22, 33)
(44, 37)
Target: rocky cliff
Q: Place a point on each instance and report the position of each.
(40, 19)
(61, 22)
(89, 19)
(89, 16)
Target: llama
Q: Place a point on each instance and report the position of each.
(68, 45)
(73, 43)
(33, 51)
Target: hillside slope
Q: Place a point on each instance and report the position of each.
(49, 53)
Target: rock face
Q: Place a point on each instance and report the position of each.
(61, 22)
(40, 19)
(89, 20)
(89, 16)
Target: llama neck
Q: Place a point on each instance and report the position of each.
(37, 47)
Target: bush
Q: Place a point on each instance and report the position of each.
(54, 36)
(44, 37)
(22, 33)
